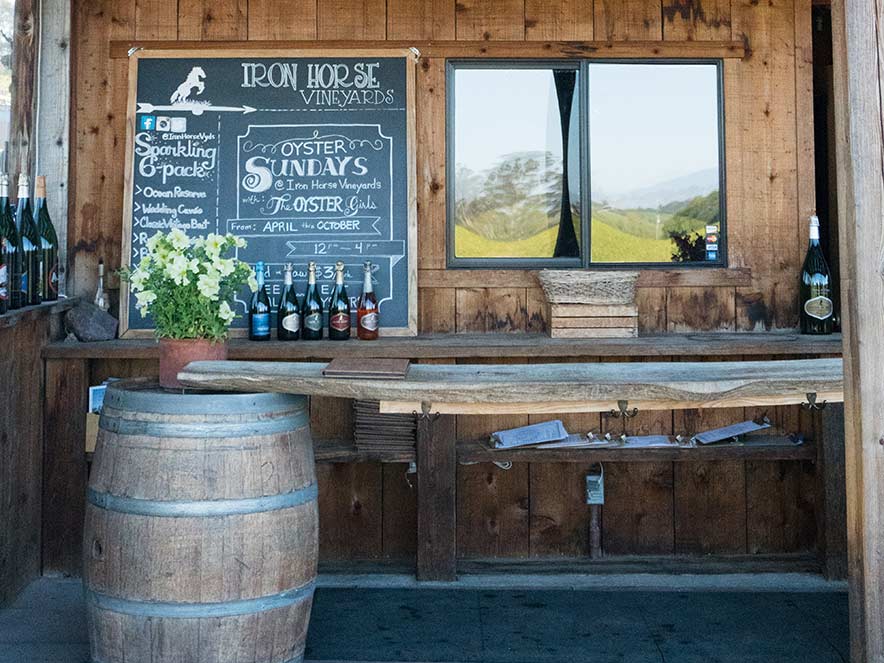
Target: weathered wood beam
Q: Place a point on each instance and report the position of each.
(25, 57)
(858, 46)
(536, 388)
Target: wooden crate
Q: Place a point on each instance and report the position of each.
(591, 321)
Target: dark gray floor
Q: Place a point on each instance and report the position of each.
(46, 625)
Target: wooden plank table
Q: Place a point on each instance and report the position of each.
(436, 393)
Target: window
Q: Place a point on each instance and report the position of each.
(527, 140)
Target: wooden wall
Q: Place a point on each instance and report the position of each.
(22, 337)
(769, 135)
(530, 510)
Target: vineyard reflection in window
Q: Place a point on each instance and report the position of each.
(652, 162)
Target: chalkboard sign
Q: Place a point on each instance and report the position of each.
(306, 154)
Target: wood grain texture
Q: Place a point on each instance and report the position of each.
(431, 183)
(280, 19)
(421, 19)
(626, 20)
(436, 502)
(767, 117)
(399, 512)
(491, 19)
(350, 503)
(700, 309)
(780, 510)
(714, 384)
(559, 513)
(21, 155)
(651, 303)
(351, 19)
(492, 511)
(21, 456)
(213, 20)
(858, 40)
(696, 19)
(830, 493)
(558, 20)
(156, 19)
(64, 468)
(436, 308)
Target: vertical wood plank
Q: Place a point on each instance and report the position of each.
(491, 19)
(99, 133)
(491, 310)
(651, 304)
(430, 130)
(628, 20)
(769, 164)
(470, 310)
(689, 20)
(831, 494)
(700, 309)
(281, 19)
(535, 310)
(213, 20)
(436, 311)
(779, 506)
(156, 19)
(559, 523)
(436, 505)
(21, 154)
(558, 20)
(351, 19)
(399, 512)
(804, 119)
(350, 511)
(710, 497)
(64, 464)
(421, 19)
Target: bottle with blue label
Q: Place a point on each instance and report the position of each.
(259, 311)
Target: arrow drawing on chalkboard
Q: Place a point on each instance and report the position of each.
(392, 249)
(196, 109)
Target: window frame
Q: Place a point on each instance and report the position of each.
(582, 66)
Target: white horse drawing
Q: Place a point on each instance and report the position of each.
(193, 82)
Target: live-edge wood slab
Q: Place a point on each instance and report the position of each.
(539, 388)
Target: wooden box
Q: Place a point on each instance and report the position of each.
(592, 321)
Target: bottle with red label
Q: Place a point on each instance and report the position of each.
(367, 315)
(339, 308)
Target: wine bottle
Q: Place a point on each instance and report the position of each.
(31, 267)
(259, 311)
(815, 287)
(12, 247)
(339, 308)
(101, 299)
(311, 309)
(289, 313)
(367, 315)
(48, 242)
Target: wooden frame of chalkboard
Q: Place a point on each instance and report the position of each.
(380, 227)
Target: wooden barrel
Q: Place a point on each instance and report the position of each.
(200, 543)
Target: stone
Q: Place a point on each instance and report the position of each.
(89, 323)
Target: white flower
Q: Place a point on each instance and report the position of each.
(226, 313)
(209, 285)
(178, 239)
(253, 282)
(154, 241)
(137, 278)
(241, 243)
(176, 269)
(144, 300)
(225, 267)
(214, 244)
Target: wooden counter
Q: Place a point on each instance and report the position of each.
(544, 388)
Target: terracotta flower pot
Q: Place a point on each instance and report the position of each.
(175, 354)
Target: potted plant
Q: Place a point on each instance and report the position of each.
(187, 285)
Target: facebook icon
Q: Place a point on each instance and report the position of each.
(147, 122)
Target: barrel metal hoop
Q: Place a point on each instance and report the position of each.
(201, 610)
(201, 508)
(203, 429)
(121, 397)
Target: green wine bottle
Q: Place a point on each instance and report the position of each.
(817, 308)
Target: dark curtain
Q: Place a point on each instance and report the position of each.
(567, 245)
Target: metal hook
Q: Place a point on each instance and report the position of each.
(811, 403)
(424, 414)
(624, 412)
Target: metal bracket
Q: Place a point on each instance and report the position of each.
(811, 403)
(624, 411)
(425, 414)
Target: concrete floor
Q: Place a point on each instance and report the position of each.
(686, 624)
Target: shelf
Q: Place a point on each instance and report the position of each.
(343, 451)
(484, 346)
(779, 449)
(28, 313)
